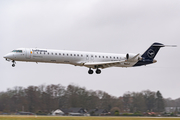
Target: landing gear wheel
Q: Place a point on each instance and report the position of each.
(98, 71)
(13, 65)
(90, 71)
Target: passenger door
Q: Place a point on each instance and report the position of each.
(28, 53)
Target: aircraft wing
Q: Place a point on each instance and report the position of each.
(102, 64)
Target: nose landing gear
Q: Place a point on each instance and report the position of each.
(13, 65)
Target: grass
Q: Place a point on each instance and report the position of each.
(80, 118)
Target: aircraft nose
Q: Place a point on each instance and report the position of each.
(5, 56)
(8, 56)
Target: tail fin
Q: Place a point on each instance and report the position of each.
(151, 52)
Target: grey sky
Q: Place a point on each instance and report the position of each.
(115, 26)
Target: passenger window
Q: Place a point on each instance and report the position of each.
(77, 54)
(74, 54)
(63, 54)
(81, 55)
(103, 56)
(59, 53)
(71, 54)
(99, 56)
(48, 53)
(52, 53)
(67, 54)
(55, 53)
(95, 56)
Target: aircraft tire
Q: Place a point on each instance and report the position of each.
(98, 71)
(90, 71)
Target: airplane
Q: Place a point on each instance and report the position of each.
(91, 60)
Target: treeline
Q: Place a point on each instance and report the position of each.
(172, 103)
(46, 98)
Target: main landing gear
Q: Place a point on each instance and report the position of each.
(98, 71)
(90, 71)
(13, 65)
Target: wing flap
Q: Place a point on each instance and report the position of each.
(102, 64)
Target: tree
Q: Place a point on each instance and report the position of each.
(138, 103)
(115, 111)
(44, 99)
(106, 101)
(149, 99)
(127, 101)
(159, 102)
(32, 97)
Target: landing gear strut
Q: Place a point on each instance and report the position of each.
(13, 65)
(90, 71)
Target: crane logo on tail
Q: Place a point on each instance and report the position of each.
(151, 53)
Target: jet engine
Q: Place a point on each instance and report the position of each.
(133, 57)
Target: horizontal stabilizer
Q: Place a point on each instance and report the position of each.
(164, 45)
(161, 45)
(170, 45)
(135, 56)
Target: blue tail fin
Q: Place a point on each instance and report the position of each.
(151, 52)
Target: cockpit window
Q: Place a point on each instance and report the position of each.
(20, 51)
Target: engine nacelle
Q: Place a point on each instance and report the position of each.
(133, 57)
(130, 56)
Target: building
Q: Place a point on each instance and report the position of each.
(57, 112)
(75, 112)
(98, 112)
(25, 113)
(172, 109)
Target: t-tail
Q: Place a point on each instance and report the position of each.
(150, 54)
(152, 51)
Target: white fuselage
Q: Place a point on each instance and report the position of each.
(92, 60)
(77, 58)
